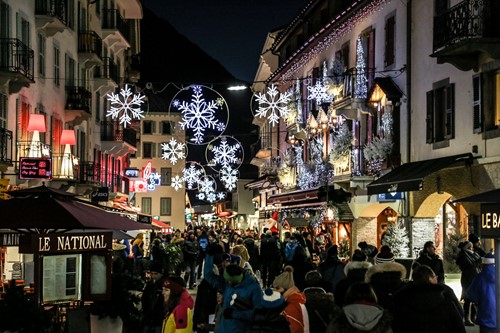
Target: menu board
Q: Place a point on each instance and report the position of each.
(61, 277)
(35, 168)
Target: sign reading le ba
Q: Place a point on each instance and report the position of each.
(490, 220)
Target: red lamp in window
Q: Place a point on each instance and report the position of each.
(36, 125)
(68, 139)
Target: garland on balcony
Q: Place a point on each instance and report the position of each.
(377, 149)
(342, 143)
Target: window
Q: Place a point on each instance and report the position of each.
(57, 71)
(148, 150)
(4, 24)
(41, 55)
(166, 127)
(70, 70)
(165, 206)
(390, 25)
(440, 112)
(147, 127)
(166, 176)
(486, 99)
(3, 110)
(146, 205)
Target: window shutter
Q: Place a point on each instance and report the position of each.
(429, 119)
(389, 40)
(476, 104)
(450, 112)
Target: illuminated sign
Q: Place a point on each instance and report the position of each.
(35, 168)
(132, 173)
(146, 173)
(153, 181)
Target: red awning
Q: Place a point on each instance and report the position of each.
(166, 228)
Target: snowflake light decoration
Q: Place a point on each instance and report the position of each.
(224, 152)
(177, 182)
(192, 175)
(229, 177)
(173, 151)
(318, 92)
(127, 102)
(199, 115)
(276, 105)
(207, 184)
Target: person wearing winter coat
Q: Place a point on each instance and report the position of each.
(386, 279)
(426, 306)
(319, 303)
(429, 257)
(269, 319)
(179, 318)
(469, 263)
(355, 271)
(242, 294)
(295, 309)
(482, 292)
(361, 313)
(332, 269)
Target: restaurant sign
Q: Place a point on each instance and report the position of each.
(490, 220)
(35, 168)
(65, 243)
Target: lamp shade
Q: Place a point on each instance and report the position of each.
(68, 137)
(36, 123)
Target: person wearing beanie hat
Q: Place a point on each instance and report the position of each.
(179, 306)
(153, 300)
(469, 263)
(269, 317)
(482, 292)
(319, 303)
(368, 249)
(476, 244)
(295, 309)
(385, 255)
(332, 269)
(235, 284)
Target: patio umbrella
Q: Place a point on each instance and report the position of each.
(492, 196)
(43, 210)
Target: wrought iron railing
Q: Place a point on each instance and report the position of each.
(5, 145)
(108, 70)
(467, 19)
(53, 8)
(16, 57)
(112, 131)
(90, 42)
(64, 166)
(111, 19)
(78, 98)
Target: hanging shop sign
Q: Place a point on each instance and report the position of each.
(64, 243)
(100, 195)
(389, 196)
(35, 168)
(490, 220)
(144, 218)
(9, 239)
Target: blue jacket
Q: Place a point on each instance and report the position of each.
(248, 289)
(482, 292)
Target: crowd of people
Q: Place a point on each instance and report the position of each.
(249, 282)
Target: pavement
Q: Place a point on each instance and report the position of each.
(452, 280)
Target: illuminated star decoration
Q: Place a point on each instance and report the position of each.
(130, 104)
(173, 151)
(177, 182)
(276, 106)
(199, 115)
(192, 175)
(224, 152)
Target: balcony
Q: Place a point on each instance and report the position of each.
(31, 149)
(115, 30)
(16, 64)
(78, 104)
(50, 16)
(64, 167)
(89, 48)
(466, 33)
(134, 68)
(117, 140)
(5, 149)
(106, 76)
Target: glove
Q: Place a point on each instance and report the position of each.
(228, 312)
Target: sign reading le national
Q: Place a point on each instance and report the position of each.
(64, 243)
(490, 220)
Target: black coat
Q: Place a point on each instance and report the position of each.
(268, 321)
(427, 308)
(434, 262)
(469, 263)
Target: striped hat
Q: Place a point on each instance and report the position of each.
(272, 299)
(488, 259)
(385, 255)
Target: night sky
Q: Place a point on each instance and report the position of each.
(231, 31)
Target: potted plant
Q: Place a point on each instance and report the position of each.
(122, 310)
(20, 313)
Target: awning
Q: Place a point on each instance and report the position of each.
(297, 222)
(492, 196)
(318, 194)
(410, 176)
(387, 86)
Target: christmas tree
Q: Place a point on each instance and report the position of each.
(396, 237)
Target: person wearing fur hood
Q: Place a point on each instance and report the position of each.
(361, 313)
(355, 271)
(386, 279)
